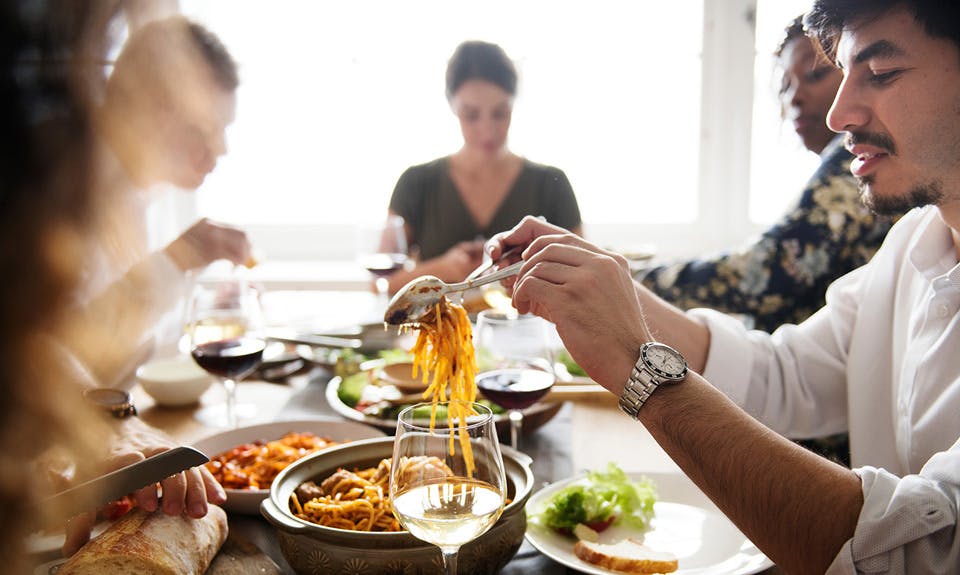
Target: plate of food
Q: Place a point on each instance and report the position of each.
(376, 395)
(247, 459)
(608, 521)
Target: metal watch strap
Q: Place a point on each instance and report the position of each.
(638, 389)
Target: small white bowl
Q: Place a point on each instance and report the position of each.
(174, 381)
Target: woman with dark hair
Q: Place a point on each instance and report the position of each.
(452, 203)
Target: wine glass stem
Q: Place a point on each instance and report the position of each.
(516, 424)
(450, 559)
(231, 388)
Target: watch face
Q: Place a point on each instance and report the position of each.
(664, 360)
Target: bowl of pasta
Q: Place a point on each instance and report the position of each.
(339, 535)
(246, 460)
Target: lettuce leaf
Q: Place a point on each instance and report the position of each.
(604, 497)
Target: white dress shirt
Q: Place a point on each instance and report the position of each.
(882, 361)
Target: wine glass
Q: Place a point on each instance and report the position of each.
(447, 483)
(514, 361)
(223, 324)
(382, 250)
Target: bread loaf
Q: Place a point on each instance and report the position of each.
(152, 544)
(627, 556)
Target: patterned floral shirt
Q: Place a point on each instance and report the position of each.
(782, 277)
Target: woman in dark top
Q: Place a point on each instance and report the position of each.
(450, 205)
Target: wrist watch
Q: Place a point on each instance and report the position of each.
(658, 364)
(116, 402)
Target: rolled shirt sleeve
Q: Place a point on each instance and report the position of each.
(907, 524)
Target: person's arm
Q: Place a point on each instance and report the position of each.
(782, 276)
(799, 508)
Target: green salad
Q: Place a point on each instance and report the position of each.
(603, 498)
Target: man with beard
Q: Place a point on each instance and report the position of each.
(880, 360)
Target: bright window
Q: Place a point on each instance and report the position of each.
(664, 117)
(337, 98)
(780, 165)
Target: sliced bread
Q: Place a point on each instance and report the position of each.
(627, 556)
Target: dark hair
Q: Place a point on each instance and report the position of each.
(793, 31)
(216, 55)
(155, 56)
(480, 60)
(827, 19)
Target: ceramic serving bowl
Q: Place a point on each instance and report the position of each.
(311, 548)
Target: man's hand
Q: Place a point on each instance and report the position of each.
(205, 242)
(187, 492)
(586, 291)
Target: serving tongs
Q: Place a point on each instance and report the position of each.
(420, 295)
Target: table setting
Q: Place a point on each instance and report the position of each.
(559, 441)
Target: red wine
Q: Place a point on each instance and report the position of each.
(383, 265)
(514, 388)
(233, 358)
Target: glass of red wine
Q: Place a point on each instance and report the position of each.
(382, 250)
(514, 363)
(224, 326)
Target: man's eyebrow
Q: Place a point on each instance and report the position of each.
(879, 49)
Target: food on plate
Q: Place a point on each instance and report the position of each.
(601, 499)
(152, 544)
(573, 368)
(354, 500)
(255, 465)
(627, 556)
(444, 357)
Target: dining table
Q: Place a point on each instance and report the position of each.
(587, 432)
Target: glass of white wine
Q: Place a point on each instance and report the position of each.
(447, 482)
(224, 324)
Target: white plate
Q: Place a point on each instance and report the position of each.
(248, 501)
(686, 524)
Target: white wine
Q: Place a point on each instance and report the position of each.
(217, 329)
(449, 513)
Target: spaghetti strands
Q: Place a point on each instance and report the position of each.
(444, 351)
(255, 465)
(352, 500)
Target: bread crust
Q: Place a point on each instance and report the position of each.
(626, 556)
(152, 544)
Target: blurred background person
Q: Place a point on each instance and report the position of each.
(782, 276)
(163, 120)
(452, 204)
(50, 74)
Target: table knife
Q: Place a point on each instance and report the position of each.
(124, 481)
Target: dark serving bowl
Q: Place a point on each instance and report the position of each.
(312, 548)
